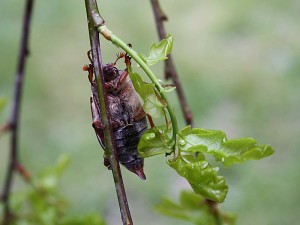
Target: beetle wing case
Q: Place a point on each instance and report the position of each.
(126, 140)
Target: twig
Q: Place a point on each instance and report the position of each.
(14, 120)
(170, 70)
(212, 206)
(91, 9)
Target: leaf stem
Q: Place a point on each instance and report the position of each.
(213, 208)
(91, 8)
(117, 41)
(14, 120)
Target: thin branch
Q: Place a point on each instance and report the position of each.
(91, 9)
(213, 208)
(14, 120)
(170, 70)
(160, 17)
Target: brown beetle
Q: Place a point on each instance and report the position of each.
(128, 118)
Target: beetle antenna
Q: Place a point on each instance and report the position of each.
(120, 55)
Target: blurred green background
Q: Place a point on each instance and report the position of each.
(239, 62)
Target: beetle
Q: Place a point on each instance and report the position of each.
(127, 117)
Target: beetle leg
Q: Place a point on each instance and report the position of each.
(90, 70)
(89, 67)
(127, 57)
(97, 125)
(139, 114)
(123, 77)
(109, 86)
(150, 120)
(106, 162)
(127, 60)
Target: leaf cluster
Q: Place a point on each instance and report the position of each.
(42, 204)
(189, 146)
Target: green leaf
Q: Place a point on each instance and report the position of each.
(90, 219)
(202, 177)
(193, 211)
(227, 151)
(159, 52)
(61, 164)
(153, 104)
(192, 208)
(198, 216)
(171, 209)
(49, 177)
(190, 200)
(240, 150)
(155, 141)
(42, 204)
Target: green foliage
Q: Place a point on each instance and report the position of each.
(159, 52)
(155, 141)
(216, 143)
(239, 61)
(192, 208)
(42, 204)
(191, 163)
(153, 104)
(48, 178)
(92, 218)
(202, 177)
(189, 145)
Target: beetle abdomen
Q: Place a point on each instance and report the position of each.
(126, 140)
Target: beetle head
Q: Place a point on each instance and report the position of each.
(110, 72)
